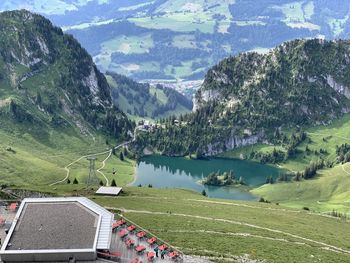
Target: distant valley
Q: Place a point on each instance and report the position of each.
(142, 100)
(174, 40)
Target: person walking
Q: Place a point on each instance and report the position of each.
(156, 249)
(162, 254)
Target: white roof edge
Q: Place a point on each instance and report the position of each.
(83, 200)
(105, 225)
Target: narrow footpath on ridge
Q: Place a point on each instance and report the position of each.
(97, 154)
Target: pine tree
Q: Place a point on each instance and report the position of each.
(125, 151)
(121, 156)
(113, 183)
(38, 98)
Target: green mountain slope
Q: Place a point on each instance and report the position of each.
(47, 76)
(299, 82)
(145, 101)
(246, 98)
(54, 102)
(329, 188)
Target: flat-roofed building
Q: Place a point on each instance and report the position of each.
(57, 229)
(109, 190)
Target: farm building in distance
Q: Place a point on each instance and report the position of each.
(109, 190)
(58, 229)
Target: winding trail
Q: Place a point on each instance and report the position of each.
(105, 160)
(292, 211)
(77, 160)
(344, 169)
(238, 234)
(103, 166)
(323, 245)
(96, 154)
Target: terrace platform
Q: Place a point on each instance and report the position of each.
(128, 254)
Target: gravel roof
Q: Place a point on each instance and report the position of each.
(56, 225)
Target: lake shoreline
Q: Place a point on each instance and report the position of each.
(179, 172)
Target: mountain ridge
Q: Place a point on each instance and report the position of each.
(245, 98)
(139, 38)
(50, 76)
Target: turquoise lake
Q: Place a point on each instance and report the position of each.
(176, 172)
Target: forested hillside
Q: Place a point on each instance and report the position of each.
(251, 97)
(146, 101)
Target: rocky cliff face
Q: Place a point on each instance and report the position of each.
(340, 88)
(232, 143)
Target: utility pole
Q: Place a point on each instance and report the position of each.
(92, 172)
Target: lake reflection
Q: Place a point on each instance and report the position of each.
(174, 172)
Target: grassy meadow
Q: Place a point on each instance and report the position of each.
(27, 161)
(329, 190)
(221, 229)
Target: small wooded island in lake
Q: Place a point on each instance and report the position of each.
(224, 179)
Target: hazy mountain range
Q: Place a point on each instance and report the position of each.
(177, 39)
